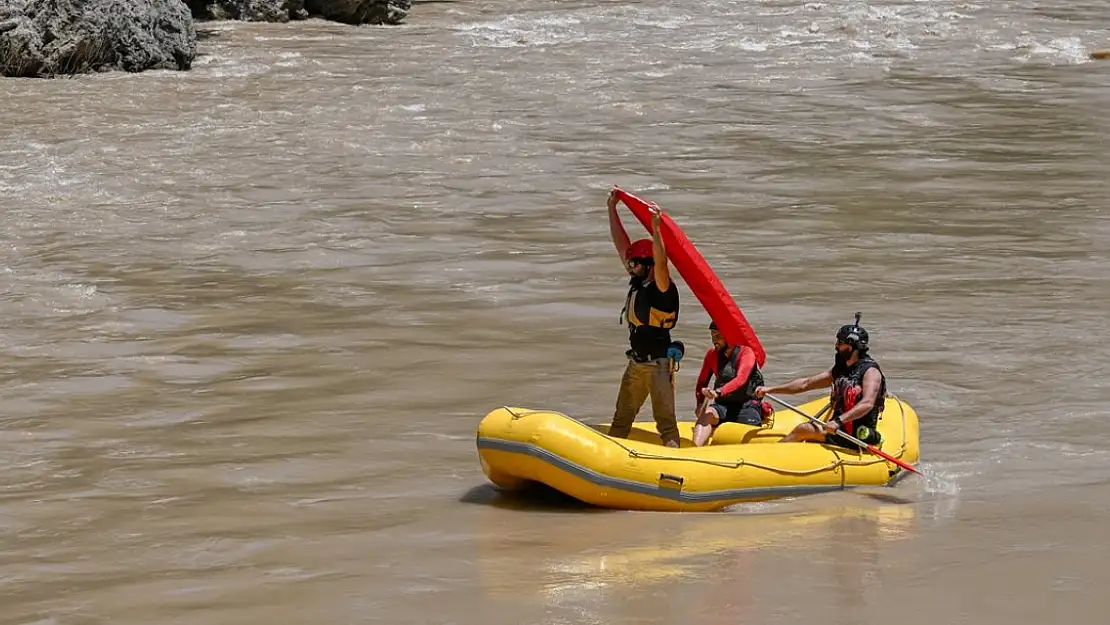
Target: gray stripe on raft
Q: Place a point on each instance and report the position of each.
(646, 489)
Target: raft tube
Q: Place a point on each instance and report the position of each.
(697, 273)
(742, 463)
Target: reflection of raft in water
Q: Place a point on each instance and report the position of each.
(744, 463)
(602, 554)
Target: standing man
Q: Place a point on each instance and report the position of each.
(651, 311)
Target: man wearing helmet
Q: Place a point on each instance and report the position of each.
(651, 311)
(858, 393)
(737, 376)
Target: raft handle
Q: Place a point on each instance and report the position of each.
(672, 478)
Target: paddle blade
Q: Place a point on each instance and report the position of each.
(701, 279)
(878, 452)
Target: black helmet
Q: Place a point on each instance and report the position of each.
(853, 335)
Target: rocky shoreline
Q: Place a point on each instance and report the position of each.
(50, 38)
(355, 12)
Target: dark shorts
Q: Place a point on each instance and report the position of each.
(872, 438)
(749, 414)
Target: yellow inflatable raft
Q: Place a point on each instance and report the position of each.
(742, 463)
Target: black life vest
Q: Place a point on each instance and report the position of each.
(847, 389)
(650, 315)
(726, 371)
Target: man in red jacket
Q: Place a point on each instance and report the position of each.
(733, 394)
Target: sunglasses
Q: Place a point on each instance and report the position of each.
(632, 262)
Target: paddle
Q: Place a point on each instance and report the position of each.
(873, 449)
(823, 411)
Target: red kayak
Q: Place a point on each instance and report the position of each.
(699, 276)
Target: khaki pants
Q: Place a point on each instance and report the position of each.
(641, 379)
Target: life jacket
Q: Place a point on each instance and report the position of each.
(726, 371)
(650, 315)
(847, 388)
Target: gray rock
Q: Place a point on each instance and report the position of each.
(249, 10)
(347, 11)
(360, 11)
(43, 38)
